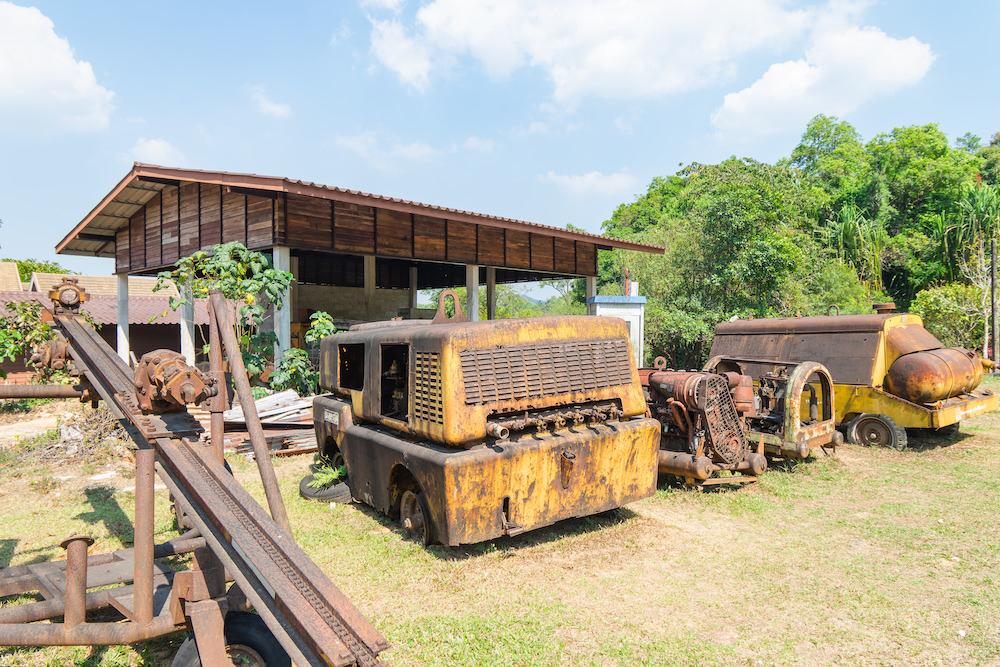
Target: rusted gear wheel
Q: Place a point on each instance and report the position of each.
(414, 516)
(876, 431)
(731, 447)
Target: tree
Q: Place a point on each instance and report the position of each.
(27, 267)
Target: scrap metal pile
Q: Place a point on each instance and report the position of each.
(300, 615)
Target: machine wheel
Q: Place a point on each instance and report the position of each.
(249, 643)
(414, 516)
(338, 492)
(876, 431)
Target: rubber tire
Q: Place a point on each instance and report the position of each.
(242, 629)
(338, 492)
(897, 435)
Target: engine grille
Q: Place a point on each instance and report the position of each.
(427, 403)
(518, 372)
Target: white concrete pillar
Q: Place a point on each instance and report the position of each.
(282, 260)
(187, 326)
(414, 292)
(123, 340)
(591, 293)
(472, 292)
(491, 292)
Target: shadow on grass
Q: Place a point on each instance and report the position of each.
(555, 532)
(7, 547)
(926, 439)
(109, 512)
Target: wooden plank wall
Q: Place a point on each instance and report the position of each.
(180, 220)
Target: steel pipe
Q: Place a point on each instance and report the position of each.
(685, 465)
(44, 391)
(74, 597)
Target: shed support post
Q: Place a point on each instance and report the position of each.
(187, 326)
(414, 292)
(282, 260)
(472, 292)
(123, 341)
(591, 293)
(491, 292)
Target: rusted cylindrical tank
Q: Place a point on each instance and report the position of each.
(685, 465)
(934, 375)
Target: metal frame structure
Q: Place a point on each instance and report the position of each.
(233, 537)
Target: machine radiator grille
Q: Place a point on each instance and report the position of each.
(427, 403)
(515, 373)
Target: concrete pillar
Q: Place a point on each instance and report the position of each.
(123, 341)
(591, 293)
(369, 287)
(282, 260)
(187, 326)
(414, 292)
(472, 292)
(491, 292)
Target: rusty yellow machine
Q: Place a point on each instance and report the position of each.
(889, 372)
(467, 431)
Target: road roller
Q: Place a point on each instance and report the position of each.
(889, 372)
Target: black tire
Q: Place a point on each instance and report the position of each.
(247, 637)
(875, 430)
(338, 492)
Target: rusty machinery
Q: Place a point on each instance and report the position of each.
(311, 621)
(702, 430)
(467, 431)
(791, 415)
(889, 372)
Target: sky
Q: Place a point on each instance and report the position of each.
(549, 111)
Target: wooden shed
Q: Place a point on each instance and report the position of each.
(355, 255)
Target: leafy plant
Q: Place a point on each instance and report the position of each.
(245, 277)
(326, 475)
(295, 371)
(320, 326)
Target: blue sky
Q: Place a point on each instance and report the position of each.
(551, 111)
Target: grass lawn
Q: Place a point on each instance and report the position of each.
(870, 557)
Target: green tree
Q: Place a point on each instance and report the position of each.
(27, 267)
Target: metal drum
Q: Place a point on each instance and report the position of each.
(934, 375)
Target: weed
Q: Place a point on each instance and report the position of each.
(326, 475)
(44, 485)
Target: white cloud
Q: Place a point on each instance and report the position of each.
(266, 106)
(480, 145)
(156, 151)
(391, 5)
(409, 58)
(341, 34)
(845, 67)
(385, 153)
(624, 49)
(43, 87)
(593, 183)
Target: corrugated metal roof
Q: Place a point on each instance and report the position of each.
(95, 234)
(103, 308)
(106, 285)
(10, 279)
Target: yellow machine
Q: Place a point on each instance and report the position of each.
(889, 372)
(471, 430)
